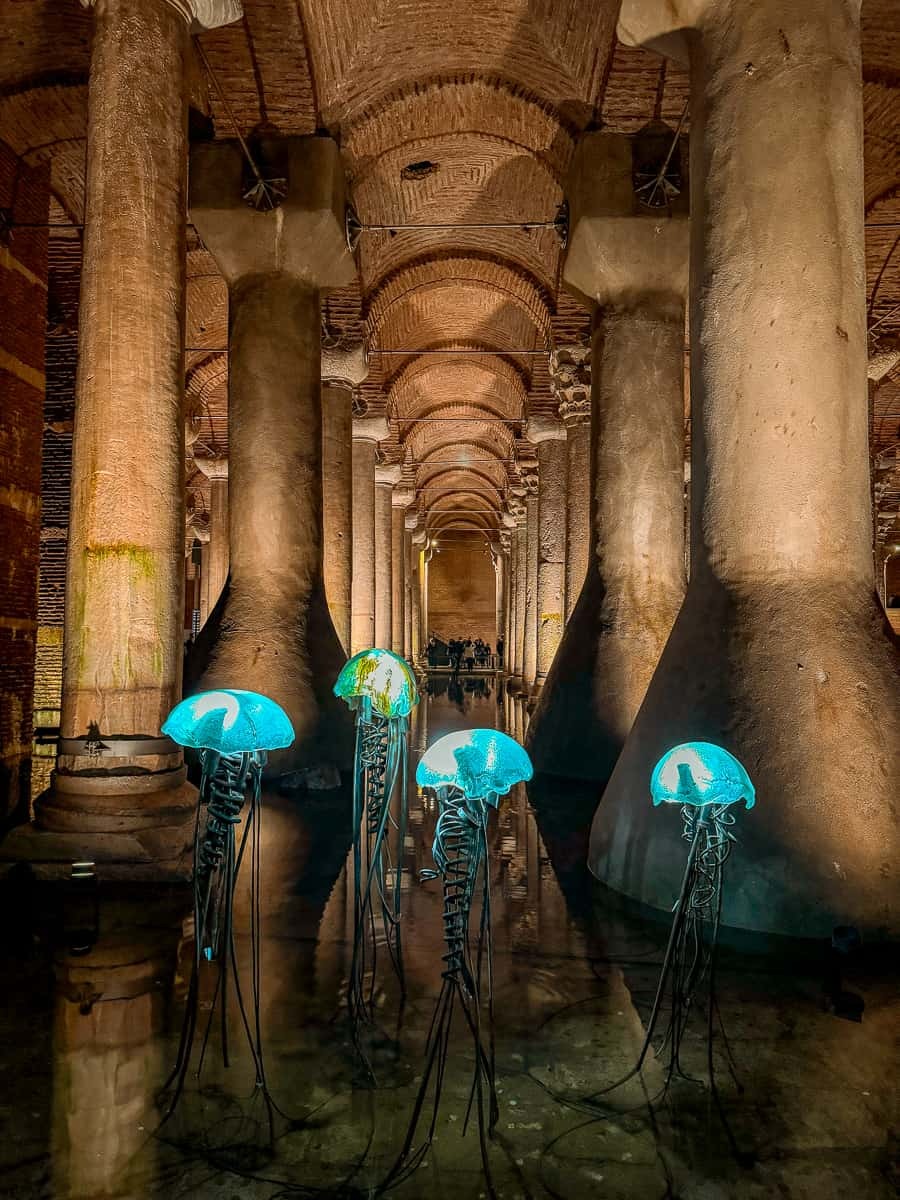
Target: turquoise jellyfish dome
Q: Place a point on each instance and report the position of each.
(229, 721)
(700, 773)
(384, 678)
(482, 763)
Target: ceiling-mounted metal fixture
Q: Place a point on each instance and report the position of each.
(354, 228)
(656, 169)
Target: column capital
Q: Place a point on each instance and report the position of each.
(881, 363)
(660, 25)
(303, 237)
(623, 251)
(345, 360)
(212, 468)
(200, 14)
(388, 474)
(411, 520)
(403, 497)
(570, 379)
(540, 429)
(419, 536)
(508, 519)
(370, 429)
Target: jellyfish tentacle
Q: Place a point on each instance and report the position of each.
(460, 851)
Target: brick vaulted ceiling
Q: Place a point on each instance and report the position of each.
(446, 114)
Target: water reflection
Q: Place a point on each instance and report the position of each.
(572, 984)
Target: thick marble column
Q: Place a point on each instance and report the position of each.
(125, 572)
(344, 367)
(550, 438)
(367, 433)
(386, 476)
(779, 652)
(216, 551)
(272, 632)
(633, 267)
(415, 645)
(401, 499)
(419, 592)
(531, 607)
(570, 377)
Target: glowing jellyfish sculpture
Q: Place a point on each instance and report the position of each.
(233, 731)
(381, 688)
(708, 783)
(468, 772)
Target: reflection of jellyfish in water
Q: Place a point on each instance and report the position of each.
(706, 781)
(381, 687)
(469, 771)
(233, 730)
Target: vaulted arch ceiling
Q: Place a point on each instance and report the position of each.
(450, 115)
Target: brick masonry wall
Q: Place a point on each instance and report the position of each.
(64, 273)
(24, 200)
(462, 591)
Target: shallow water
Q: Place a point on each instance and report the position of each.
(84, 1050)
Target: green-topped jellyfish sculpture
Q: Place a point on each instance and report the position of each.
(381, 688)
(708, 783)
(468, 772)
(233, 731)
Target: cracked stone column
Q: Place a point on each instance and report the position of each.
(401, 499)
(216, 551)
(344, 367)
(273, 632)
(550, 438)
(115, 773)
(779, 652)
(632, 266)
(386, 476)
(367, 433)
(570, 377)
(532, 555)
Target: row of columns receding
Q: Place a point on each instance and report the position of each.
(774, 648)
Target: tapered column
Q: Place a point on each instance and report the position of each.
(550, 438)
(633, 266)
(401, 499)
(344, 367)
(124, 581)
(386, 476)
(531, 608)
(778, 652)
(570, 377)
(273, 632)
(367, 432)
(216, 551)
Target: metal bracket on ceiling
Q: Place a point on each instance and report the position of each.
(352, 229)
(561, 224)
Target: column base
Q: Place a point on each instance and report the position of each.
(137, 828)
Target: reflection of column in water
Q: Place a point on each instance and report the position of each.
(108, 1062)
(335, 936)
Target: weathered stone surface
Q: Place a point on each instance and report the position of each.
(272, 632)
(778, 652)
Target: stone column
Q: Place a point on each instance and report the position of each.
(401, 499)
(532, 558)
(215, 564)
(550, 438)
(415, 539)
(273, 633)
(367, 432)
(570, 377)
(633, 267)
(521, 515)
(344, 367)
(125, 573)
(386, 476)
(778, 652)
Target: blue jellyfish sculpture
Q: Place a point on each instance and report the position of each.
(233, 730)
(708, 784)
(468, 772)
(381, 688)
